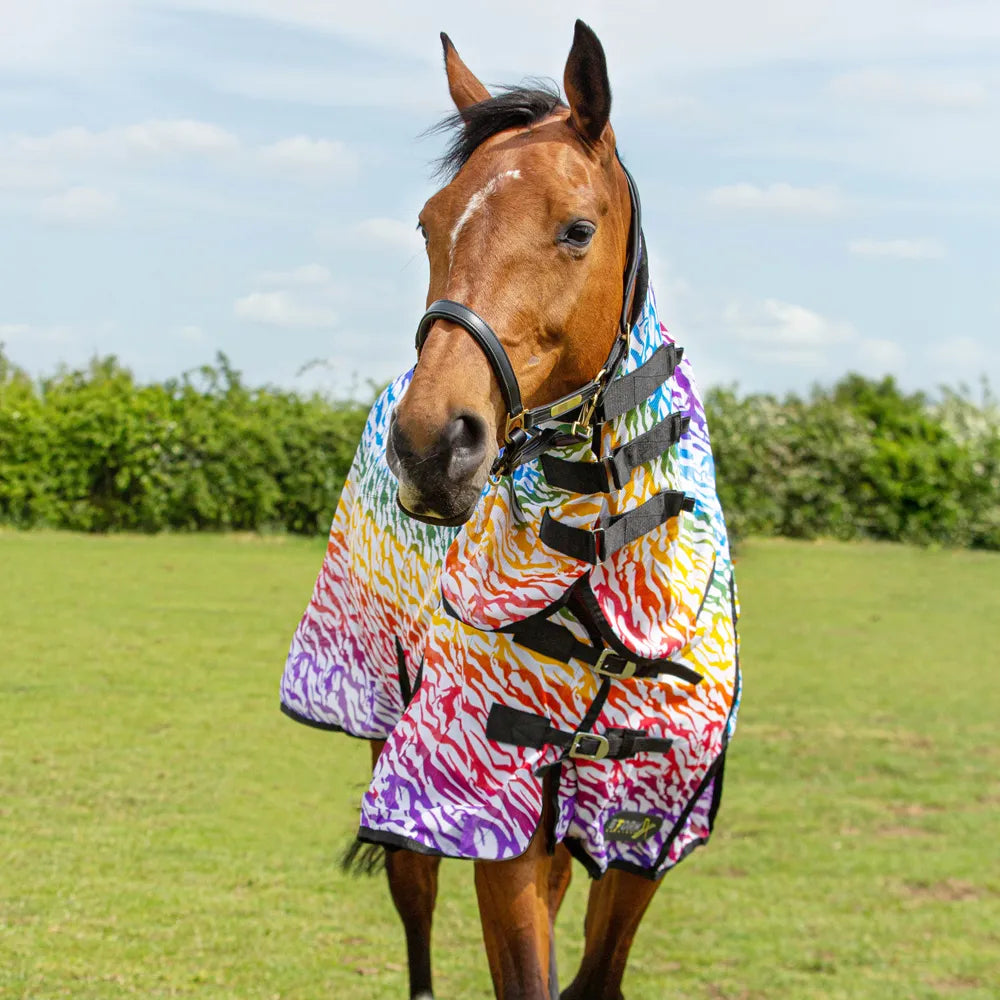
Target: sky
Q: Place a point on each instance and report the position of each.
(820, 180)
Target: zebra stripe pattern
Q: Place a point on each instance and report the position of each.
(441, 785)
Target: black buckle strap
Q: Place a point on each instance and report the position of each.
(541, 635)
(594, 546)
(565, 406)
(525, 729)
(614, 472)
(628, 391)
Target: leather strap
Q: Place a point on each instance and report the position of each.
(482, 333)
(525, 729)
(612, 534)
(615, 471)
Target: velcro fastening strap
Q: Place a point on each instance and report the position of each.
(597, 545)
(557, 642)
(628, 391)
(525, 729)
(615, 471)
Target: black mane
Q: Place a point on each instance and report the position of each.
(513, 107)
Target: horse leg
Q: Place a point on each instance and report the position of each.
(413, 883)
(514, 906)
(560, 872)
(616, 905)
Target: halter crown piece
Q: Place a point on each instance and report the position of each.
(523, 441)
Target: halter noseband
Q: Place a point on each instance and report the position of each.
(520, 445)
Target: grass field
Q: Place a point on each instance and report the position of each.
(165, 832)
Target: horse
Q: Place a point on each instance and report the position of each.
(527, 602)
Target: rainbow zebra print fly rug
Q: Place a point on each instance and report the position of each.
(486, 658)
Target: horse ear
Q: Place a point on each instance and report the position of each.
(464, 87)
(587, 86)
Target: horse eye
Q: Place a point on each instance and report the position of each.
(422, 231)
(579, 234)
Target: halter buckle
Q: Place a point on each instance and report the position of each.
(597, 747)
(515, 422)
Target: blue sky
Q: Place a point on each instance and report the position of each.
(821, 181)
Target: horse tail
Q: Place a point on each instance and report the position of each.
(361, 858)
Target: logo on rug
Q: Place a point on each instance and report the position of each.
(631, 826)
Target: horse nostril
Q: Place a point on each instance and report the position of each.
(465, 442)
(398, 447)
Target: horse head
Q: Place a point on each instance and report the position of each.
(530, 237)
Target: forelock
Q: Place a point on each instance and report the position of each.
(513, 107)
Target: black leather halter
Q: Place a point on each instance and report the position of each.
(578, 407)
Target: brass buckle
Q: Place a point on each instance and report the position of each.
(514, 423)
(603, 747)
(580, 428)
(628, 668)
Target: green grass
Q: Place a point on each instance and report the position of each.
(165, 832)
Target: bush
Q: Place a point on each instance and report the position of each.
(93, 450)
(863, 460)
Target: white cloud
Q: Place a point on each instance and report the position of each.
(307, 157)
(728, 33)
(28, 332)
(922, 249)
(315, 275)
(282, 309)
(390, 232)
(59, 36)
(191, 333)
(876, 354)
(967, 354)
(417, 88)
(152, 138)
(179, 136)
(78, 206)
(791, 335)
(16, 176)
(923, 91)
(780, 198)
(787, 333)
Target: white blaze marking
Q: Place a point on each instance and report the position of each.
(476, 202)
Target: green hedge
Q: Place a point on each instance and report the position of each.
(94, 450)
(863, 460)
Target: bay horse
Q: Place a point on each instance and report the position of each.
(527, 603)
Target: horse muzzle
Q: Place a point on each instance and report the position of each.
(442, 483)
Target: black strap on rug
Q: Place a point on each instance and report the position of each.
(615, 471)
(594, 546)
(542, 635)
(525, 729)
